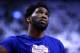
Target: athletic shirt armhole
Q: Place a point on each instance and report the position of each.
(59, 44)
(8, 43)
(62, 49)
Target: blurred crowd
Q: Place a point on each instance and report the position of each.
(64, 21)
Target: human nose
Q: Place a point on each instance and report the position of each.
(44, 17)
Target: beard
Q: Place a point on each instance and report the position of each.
(40, 26)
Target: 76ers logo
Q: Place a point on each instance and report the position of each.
(39, 49)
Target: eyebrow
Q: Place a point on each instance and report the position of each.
(41, 10)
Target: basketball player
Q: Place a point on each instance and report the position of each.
(37, 16)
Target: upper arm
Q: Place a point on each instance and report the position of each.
(3, 50)
(6, 45)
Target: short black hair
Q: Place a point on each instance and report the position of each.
(32, 8)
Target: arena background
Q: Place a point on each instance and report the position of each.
(64, 21)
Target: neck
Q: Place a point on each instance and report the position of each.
(34, 33)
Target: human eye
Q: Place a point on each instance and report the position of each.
(39, 11)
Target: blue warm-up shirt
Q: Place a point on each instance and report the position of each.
(27, 44)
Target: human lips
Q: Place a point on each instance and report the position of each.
(43, 21)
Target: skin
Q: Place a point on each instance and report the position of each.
(3, 50)
(42, 14)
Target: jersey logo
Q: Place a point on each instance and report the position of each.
(39, 49)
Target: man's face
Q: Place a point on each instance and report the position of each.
(39, 18)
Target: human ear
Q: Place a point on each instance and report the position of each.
(28, 20)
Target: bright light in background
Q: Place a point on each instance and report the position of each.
(17, 14)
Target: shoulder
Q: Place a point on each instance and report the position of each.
(55, 41)
(9, 42)
(11, 38)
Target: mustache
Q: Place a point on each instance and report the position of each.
(42, 20)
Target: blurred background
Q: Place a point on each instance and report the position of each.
(64, 21)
